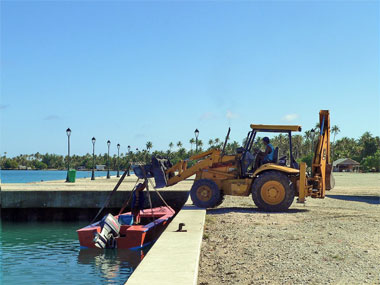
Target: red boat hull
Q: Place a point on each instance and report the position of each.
(134, 236)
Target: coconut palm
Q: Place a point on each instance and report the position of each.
(335, 130)
(179, 144)
(200, 144)
(149, 145)
(217, 142)
(171, 146)
(210, 142)
(192, 141)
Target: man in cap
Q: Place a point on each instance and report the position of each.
(266, 156)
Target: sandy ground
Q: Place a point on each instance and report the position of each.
(335, 240)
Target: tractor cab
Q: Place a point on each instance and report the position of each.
(249, 151)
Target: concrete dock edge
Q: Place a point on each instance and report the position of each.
(174, 258)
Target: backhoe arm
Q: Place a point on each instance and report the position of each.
(180, 172)
(321, 165)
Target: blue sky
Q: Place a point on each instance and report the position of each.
(138, 71)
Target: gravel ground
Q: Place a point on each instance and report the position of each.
(335, 240)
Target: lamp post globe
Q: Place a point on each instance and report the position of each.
(93, 140)
(196, 132)
(312, 139)
(68, 133)
(108, 160)
(118, 160)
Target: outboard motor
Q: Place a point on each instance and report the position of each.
(110, 230)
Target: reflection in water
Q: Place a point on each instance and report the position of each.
(49, 253)
(111, 263)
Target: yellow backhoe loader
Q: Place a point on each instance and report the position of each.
(273, 185)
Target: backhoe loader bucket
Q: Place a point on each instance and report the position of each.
(143, 170)
(156, 169)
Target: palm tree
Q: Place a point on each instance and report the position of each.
(317, 127)
(149, 145)
(210, 142)
(297, 143)
(171, 146)
(335, 130)
(179, 144)
(200, 144)
(192, 141)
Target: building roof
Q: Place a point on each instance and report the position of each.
(345, 161)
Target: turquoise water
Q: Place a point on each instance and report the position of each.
(25, 176)
(49, 253)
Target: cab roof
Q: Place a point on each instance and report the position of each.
(276, 128)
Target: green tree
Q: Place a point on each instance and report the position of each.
(10, 164)
(192, 141)
(171, 146)
(372, 162)
(368, 145)
(334, 130)
(149, 145)
(39, 164)
(217, 142)
(211, 143)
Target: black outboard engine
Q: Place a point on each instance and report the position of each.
(110, 230)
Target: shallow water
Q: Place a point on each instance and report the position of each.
(49, 253)
(26, 176)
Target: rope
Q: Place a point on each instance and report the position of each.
(129, 199)
(110, 196)
(147, 189)
(159, 195)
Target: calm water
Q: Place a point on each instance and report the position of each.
(25, 176)
(48, 253)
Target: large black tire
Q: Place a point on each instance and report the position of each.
(205, 193)
(220, 200)
(272, 192)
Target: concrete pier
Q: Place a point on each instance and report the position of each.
(58, 200)
(174, 258)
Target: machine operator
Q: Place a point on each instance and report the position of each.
(266, 156)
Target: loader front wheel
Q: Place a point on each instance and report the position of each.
(205, 193)
(271, 192)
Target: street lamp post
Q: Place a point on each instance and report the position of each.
(129, 158)
(68, 132)
(108, 160)
(196, 132)
(312, 139)
(118, 160)
(93, 158)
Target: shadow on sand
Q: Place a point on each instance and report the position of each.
(250, 210)
(374, 200)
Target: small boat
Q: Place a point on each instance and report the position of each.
(120, 232)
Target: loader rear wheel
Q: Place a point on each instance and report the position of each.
(205, 193)
(221, 199)
(271, 191)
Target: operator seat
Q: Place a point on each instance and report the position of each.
(275, 155)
